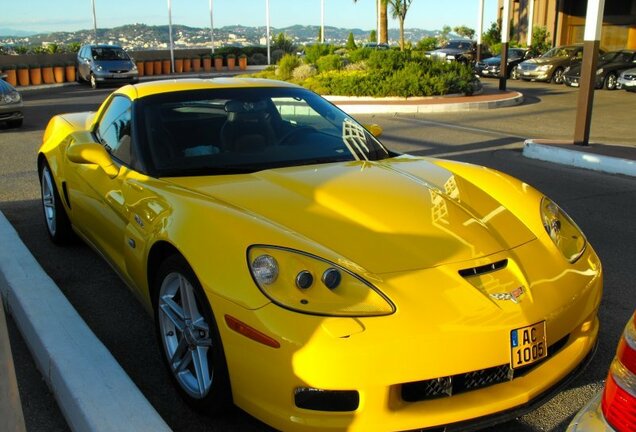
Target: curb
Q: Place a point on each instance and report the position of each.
(352, 105)
(92, 390)
(554, 151)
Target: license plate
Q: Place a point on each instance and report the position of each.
(527, 345)
(119, 75)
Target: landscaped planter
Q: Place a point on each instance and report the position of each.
(196, 64)
(165, 67)
(187, 65)
(12, 77)
(58, 73)
(23, 75)
(207, 64)
(218, 63)
(149, 67)
(231, 62)
(35, 74)
(47, 74)
(243, 62)
(178, 65)
(140, 68)
(157, 67)
(69, 72)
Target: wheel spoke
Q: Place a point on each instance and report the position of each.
(180, 355)
(173, 311)
(201, 369)
(188, 302)
(185, 362)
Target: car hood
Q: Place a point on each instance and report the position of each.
(492, 61)
(393, 215)
(547, 60)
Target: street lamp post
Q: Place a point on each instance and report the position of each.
(170, 36)
(269, 58)
(505, 35)
(94, 22)
(480, 28)
(212, 26)
(322, 21)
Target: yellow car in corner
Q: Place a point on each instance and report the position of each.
(301, 270)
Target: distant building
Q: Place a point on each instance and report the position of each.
(565, 20)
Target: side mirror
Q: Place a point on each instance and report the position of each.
(92, 153)
(375, 129)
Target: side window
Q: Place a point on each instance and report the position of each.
(298, 112)
(114, 129)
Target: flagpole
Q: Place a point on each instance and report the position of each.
(212, 26)
(94, 21)
(170, 35)
(269, 58)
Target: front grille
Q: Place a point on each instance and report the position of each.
(630, 77)
(469, 381)
(527, 66)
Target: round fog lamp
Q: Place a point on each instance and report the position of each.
(304, 279)
(265, 269)
(331, 278)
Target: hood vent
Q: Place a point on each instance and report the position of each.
(478, 271)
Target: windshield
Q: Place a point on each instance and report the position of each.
(108, 53)
(563, 52)
(227, 131)
(458, 45)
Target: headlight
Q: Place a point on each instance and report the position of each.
(9, 98)
(309, 284)
(567, 237)
(99, 67)
(599, 71)
(544, 67)
(450, 57)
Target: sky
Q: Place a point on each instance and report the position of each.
(44, 16)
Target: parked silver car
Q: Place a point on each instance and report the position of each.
(550, 66)
(10, 105)
(102, 64)
(627, 80)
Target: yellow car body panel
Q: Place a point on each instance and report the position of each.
(408, 225)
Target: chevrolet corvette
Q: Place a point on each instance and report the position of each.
(301, 270)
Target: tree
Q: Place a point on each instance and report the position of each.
(464, 31)
(540, 40)
(384, 21)
(351, 43)
(283, 43)
(319, 34)
(399, 8)
(373, 36)
(429, 43)
(493, 35)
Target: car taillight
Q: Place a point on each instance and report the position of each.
(619, 396)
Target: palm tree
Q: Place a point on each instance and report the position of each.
(399, 8)
(384, 21)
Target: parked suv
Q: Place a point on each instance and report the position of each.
(550, 66)
(461, 50)
(101, 64)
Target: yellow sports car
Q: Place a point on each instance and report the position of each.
(303, 271)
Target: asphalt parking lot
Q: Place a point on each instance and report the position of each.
(601, 204)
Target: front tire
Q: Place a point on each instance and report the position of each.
(56, 220)
(610, 81)
(189, 338)
(514, 73)
(557, 76)
(93, 81)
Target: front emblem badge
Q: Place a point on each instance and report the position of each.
(513, 295)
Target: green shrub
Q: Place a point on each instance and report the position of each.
(258, 59)
(329, 62)
(286, 66)
(276, 55)
(304, 71)
(360, 54)
(428, 43)
(314, 52)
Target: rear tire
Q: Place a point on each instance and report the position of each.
(56, 220)
(189, 338)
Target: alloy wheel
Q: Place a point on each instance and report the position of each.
(48, 201)
(611, 82)
(185, 335)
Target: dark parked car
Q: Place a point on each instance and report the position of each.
(609, 67)
(101, 64)
(550, 66)
(10, 105)
(461, 50)
(490, 67)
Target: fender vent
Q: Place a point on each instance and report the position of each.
(65, 193)
(477, 271)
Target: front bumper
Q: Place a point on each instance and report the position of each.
(535, 75)
(627, 84)
(116, 77)
(377, 357)
(11, 112)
